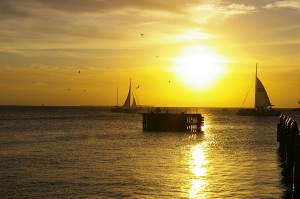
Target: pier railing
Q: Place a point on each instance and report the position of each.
(289, 149)
(173, 110)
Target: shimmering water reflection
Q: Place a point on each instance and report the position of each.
(88, 152)
(197, 165)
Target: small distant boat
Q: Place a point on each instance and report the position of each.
(262, 106)
(126, 108)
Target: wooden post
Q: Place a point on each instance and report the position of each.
(287, 142)
(280, 128)
(289, 157)
(280, 133)
(296, 177)
(296, 180)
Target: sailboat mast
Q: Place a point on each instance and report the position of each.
(256, 71)
(117, 97)
(129, 93)
(255, 87)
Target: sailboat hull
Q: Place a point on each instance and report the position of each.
(118, 109)
(258, 112)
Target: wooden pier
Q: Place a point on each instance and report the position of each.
(181, 122)
(289, 149)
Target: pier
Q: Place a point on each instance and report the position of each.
(165, 121)
(289, 149)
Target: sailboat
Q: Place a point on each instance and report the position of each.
(126, 108)
(262, 104)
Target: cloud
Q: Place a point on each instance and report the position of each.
(294, 4)
(116, 24)
(23, 8)
(237, 9)
(41, 8)
(36, 24)
(39, 84)
(214, 12)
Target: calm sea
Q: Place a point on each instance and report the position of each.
(89, 152)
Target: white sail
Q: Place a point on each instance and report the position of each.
(261, 96)
(134, 103)
(127, 101)
(263, 106)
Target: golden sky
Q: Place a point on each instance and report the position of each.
(45, 43)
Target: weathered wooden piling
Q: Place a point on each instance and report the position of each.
(184, 122)
(289, 148)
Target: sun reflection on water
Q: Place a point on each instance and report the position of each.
(197, 167)
(204, 127)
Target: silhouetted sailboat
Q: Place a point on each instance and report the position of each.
(126, 108)
(262, 104)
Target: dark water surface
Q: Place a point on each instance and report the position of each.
(88, 152)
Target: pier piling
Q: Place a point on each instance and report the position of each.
(289, 149)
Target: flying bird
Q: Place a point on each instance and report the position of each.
(78, 72)
(142, 34)
(138, 87)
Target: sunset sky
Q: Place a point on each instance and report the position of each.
(45, 43)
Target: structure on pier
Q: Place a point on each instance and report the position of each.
(183, 122)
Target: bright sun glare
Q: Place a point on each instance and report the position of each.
(199, 67)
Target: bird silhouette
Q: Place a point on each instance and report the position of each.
(142, 34)
(138, 87)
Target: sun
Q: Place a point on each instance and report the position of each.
(199, 67)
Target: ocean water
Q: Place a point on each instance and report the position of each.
(89, 152)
